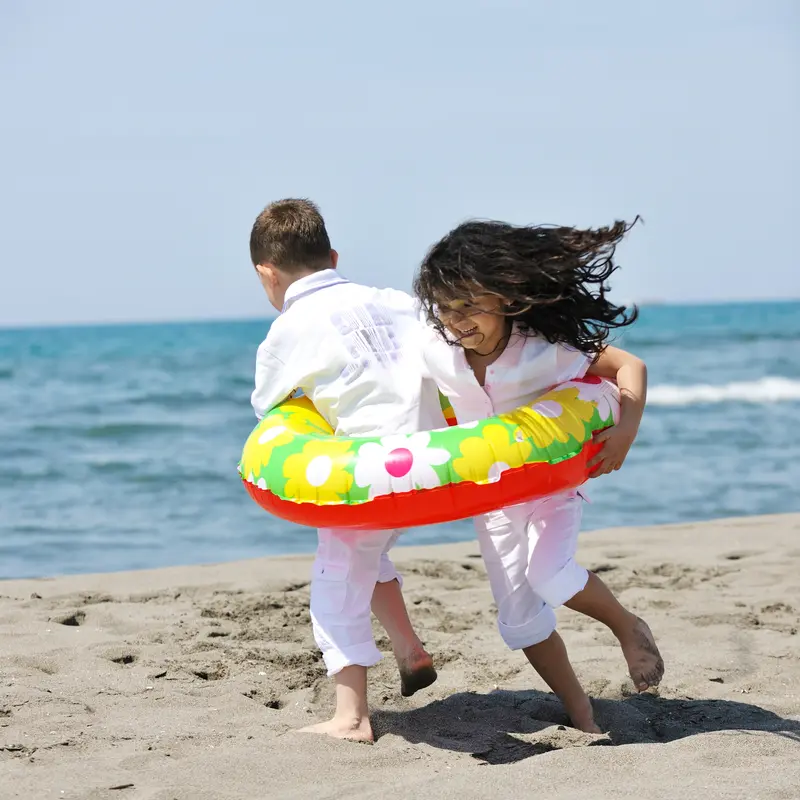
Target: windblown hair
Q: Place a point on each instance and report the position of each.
(552, 280)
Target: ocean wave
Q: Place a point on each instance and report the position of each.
(110, 430)
(762, 391)
(670, 339)
(185, 399)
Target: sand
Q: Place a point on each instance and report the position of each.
(188, 683)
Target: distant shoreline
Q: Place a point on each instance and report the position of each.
(212, 570)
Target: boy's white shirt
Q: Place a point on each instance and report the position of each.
(355, 351)
(527, 368)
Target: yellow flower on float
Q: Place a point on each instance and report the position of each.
(303, 418)
(556, 416)
(486, 457)
(319, 473)
(267, 436)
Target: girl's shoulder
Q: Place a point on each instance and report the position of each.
(532, 344)
(543, 364)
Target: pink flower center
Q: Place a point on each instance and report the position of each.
(398, 462)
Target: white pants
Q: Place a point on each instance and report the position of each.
(529, 552)
(347, 567)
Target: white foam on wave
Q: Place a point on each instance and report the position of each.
(765, 390)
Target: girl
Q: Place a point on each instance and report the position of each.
(514, 311)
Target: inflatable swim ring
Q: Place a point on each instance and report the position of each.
(295, 468)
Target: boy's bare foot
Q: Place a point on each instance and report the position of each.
(581, 715)
(351, 720)
(357, 730)
(641, 652)
(416, 672)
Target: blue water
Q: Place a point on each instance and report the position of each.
(118, 445)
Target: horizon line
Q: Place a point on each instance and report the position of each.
(645, 303)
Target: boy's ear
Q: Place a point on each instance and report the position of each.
(334, 258)
(267, 272)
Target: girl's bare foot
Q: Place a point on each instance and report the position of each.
(638, 645)
(549, 658)
(641, 652)
(416, 671)
(581, 715)
(357, 730)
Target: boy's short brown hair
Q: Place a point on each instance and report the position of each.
(291, 235)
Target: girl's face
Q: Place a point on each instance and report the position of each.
(476, 323)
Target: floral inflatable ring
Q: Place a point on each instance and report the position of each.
(295, 468)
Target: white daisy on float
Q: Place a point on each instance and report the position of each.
(603, 393)
(399, 464)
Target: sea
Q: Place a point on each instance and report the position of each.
(119, 444)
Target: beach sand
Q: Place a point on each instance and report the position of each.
(187, 683)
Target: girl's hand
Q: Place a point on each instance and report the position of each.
(630, 373)
(616, 443)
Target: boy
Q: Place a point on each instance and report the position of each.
(346, 347)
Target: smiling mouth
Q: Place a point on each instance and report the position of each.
(466, 334)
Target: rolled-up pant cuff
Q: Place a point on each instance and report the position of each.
(536, 630)
(364, 655)
(388, 572)
(563, 586)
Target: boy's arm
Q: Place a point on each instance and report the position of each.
(630, 373)
(274, 382)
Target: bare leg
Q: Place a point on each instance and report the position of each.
(351, 719)
(638, 645)
(549, 658)
(415, 664)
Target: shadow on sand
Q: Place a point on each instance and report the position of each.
(504, 727)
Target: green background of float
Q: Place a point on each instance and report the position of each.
(449, 439)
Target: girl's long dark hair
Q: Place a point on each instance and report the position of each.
(553, 280)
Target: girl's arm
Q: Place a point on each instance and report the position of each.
(630, 374)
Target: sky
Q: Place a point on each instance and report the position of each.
(139, 140)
